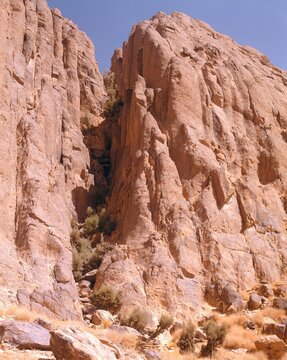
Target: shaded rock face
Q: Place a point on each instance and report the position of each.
(199, 165)
(49, 83)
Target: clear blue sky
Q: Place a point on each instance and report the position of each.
(258, 23)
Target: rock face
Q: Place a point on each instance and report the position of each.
(72, 344)
(50, 85)
(199, 165)
(24, 335)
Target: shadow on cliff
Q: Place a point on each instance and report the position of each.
(82, 198)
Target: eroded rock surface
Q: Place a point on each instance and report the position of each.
(50, 86)
(199, 165)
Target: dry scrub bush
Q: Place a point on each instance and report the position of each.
(257, 318)
(175, 355)
(273, 313)
(136, 319)
(215, 336)
(234, 319)
(237, 337)
(106, 298)
(20, 313)
(186, 339)
(165, 322)
(125, 339)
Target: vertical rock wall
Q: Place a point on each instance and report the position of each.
(49, 83)
(199, 165)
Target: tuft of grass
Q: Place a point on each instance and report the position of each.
(106, 298)
(233, 319)
(237, 337)
(274, 313)
(136, 319)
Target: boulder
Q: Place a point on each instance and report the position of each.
(24, 335)
(74, 344)
(281, 291)
(101, 316)
(280, 303)
(265, 290)
(90, 276)
(125, 329)
(231, 300)
(276, 329)
(255, 301)
(271, 345)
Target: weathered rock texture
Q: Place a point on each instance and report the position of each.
(49, 82)
(199, 165)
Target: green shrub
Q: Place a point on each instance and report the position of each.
(91, 224)
(136, 319)
(215, 336)
(90, 212)
(81, 251)
(186, 339)
(106, 298)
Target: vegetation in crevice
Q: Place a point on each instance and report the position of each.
(106, 298)
(113, 105)
(88, 241)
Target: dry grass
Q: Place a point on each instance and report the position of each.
(15, 355)
(237, 338)
(175, 355)
(125, 339)
(257, 318)
(19, 313)
(223, 354)
(233, 319)
(273, 313)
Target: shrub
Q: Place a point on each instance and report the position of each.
(90, 211)
(165, 322)
(99, 252)
(82, 251)
(136, 319)
(113, 104)
(106, 298)
(91, 224)
(215, 336)
(186, 339)
(75, 236)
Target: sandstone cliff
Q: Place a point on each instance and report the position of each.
(50, 83)
(199, 165)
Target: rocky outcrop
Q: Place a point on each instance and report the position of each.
(24, 335)
(198, 165)
(73, 344)
(50, 88)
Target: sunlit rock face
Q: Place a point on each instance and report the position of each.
(49, 81)
(199, 165)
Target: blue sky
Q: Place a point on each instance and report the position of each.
(258, 23)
